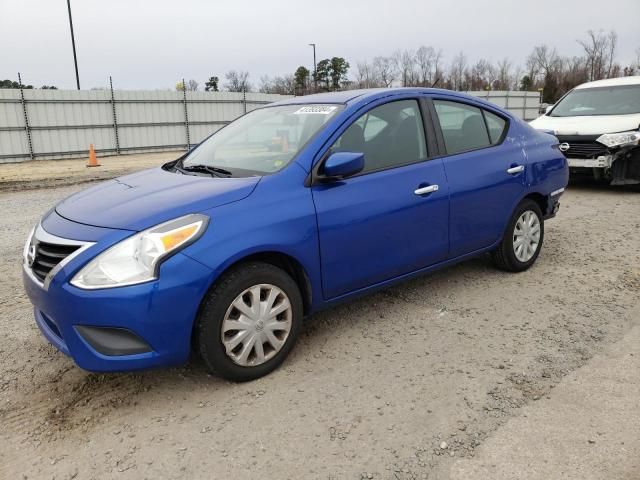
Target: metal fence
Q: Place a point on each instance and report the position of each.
(52, 124)
(524, 105)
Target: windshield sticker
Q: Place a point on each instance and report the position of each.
(317, 109)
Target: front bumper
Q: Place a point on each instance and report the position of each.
(603, 161)
(121, 329)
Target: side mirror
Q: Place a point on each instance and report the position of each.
(343, 164)
(548, 109)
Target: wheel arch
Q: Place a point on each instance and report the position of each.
(285, 262)
(276, 258)
(540, 199)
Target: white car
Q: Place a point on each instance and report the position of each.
(598, 126)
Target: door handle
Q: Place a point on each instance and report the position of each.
(427, 189)
(514, 170)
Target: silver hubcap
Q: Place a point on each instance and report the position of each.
(256, 325)
(526, 236)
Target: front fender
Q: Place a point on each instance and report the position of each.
(279, 217)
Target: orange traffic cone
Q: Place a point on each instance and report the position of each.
(93, 162)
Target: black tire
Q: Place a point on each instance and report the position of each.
(504, 256)
(218, 301)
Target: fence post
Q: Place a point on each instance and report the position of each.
(244, 99)
(524, 106)
(186, 113)
(27, 128)
(115, 117)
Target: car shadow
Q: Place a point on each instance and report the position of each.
(80, 394)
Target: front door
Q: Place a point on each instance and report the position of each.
(392, 218)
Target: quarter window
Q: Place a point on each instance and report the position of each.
(389, 135)
(496, 126)
(463, 126)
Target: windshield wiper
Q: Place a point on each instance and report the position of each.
(213, 171)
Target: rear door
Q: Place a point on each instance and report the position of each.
(374, 226)
(485, 169)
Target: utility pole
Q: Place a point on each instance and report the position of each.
(73, 44)
(315, 68)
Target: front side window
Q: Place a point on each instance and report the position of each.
(462, 126)
(389, 135)
(620, 100)
(262, 141)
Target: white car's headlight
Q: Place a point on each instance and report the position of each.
(136, 259)
(621, 139)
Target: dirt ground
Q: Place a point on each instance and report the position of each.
(55, 173)
(428, 379)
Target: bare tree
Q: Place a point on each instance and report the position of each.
(385, 70)
(457, 72)
(404, 62)
(503, 75)
(613, 43)
(237, 81)
(192, 85)
(542, 61)
(482, 75)
(515, 78)
(599, 49)
(367, 76)
(427, 60)
(282, 85)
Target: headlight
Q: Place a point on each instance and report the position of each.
(621, 139)
(137, 258)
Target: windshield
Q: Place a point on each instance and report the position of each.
(262, 141)
(581, 102)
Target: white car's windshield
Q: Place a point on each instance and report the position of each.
(620, 100)
(260, 142)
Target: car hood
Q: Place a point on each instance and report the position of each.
(143, 199)
(587, 125)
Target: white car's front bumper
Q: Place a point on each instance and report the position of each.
(603, 161)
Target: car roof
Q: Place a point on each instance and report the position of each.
(365, 95)
(611, 82)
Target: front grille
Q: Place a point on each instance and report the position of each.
(48, 256)
(584, 149)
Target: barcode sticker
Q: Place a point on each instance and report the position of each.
(317, 109)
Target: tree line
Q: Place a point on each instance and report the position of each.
(544, 69)
(11, 84)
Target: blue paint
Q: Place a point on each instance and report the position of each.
(350, 236)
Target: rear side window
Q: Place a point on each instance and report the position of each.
(389, 135)
(463, 126)
(496, 126)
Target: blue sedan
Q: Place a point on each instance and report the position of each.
(288, 210)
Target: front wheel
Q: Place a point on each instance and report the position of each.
(522, 239)
(249, 322)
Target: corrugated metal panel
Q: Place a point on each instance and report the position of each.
(200, 132)
(64, 122)
(13, 144)
(523, 105)
(161, 136)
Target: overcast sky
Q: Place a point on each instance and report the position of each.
(152, 44)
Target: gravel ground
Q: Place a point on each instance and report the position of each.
(400, 384)
(55, 173)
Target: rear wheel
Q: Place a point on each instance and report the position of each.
(522, 239)
(249, 322)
